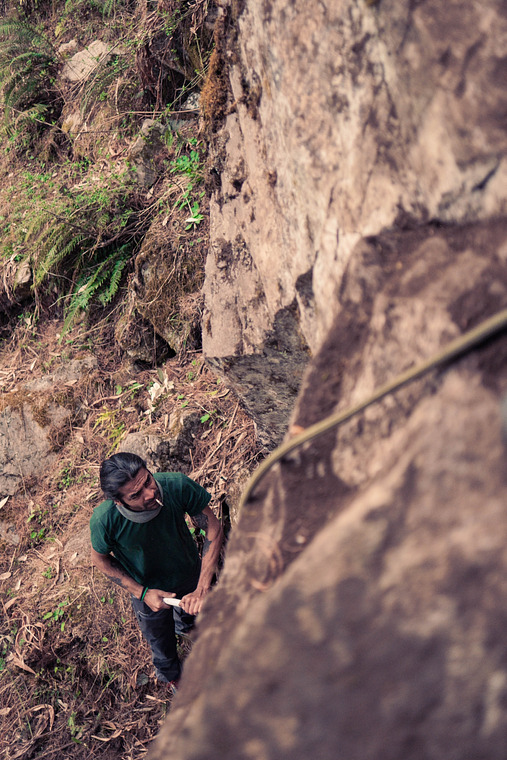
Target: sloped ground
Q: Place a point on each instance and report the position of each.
(76, 678)
(104, 237)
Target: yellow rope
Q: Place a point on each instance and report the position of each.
(455, 348)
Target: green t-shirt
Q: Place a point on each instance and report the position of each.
(160, 553)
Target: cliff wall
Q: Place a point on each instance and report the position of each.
(343, 120)
(359, 203)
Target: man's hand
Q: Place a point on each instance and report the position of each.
(193, 602)
(154, 598)
(206, 521)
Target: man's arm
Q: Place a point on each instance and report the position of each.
(207, 522)
(111, 568)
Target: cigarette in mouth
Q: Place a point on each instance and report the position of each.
(159, 502)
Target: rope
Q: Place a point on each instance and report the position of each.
(455, 348)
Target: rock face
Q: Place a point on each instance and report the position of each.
(358, 615)
(361, 185)
(27, 441)
(170, 452)
(344, 119)
(35, 421)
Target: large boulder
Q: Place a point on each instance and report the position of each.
(361, 610)
(360, 183)
(35, 421)
(343, 119)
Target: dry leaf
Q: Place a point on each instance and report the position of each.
(4, 576)
(51, 711)
(20, 664)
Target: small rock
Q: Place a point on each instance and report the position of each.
(67, 48)
(80, 66)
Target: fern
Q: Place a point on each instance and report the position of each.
(53, 251)
(13, 30)
(61, 249)
(27, 66)
(108, 294)
(35, 113)
(84, 291)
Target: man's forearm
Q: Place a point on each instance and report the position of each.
(116, 573)
(211, 547)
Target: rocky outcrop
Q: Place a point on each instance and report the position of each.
(343, 120)
(360, 613)
(360, 184)
(35, 421)
(170, 451)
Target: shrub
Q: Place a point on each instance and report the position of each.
(28, 64)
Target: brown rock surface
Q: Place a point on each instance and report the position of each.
(35, 420)
(361, 612)
(343, 120)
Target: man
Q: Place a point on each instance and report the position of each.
(141, 541)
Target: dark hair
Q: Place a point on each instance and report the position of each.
(118, 470)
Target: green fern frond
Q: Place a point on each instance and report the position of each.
(27, 64)
(114, 282)
(56, 254)
(15, 32)
(60, 253)
(35, 113)
(83, 293)
(9, 84)
(38, 221)
(33, 57)
(52, 253)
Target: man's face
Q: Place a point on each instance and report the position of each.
(141, 493)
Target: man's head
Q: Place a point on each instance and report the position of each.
(125, 478)
(118, 470)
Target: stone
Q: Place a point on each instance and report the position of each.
(145, 149)
(35, 420)
(26, 448)
(69, 373)
(358, 181)
(68, 48)
(342, 121)
(138, 339)
(73, 123)
(171, 451)
(16, 283)
(22, 281)
(82, 64)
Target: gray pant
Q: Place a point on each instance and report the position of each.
(159, 629)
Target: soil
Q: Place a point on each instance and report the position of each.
(76, 678)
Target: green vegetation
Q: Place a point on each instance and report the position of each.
(76, 214)
(28, 66)
(56, 615)
(79, 224)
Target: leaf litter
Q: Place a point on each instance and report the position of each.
(76, 679)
